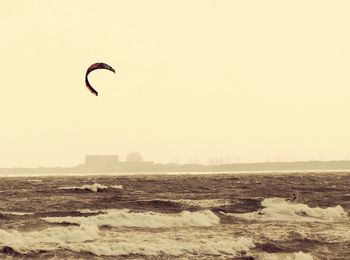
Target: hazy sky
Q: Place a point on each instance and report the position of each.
(246, 80)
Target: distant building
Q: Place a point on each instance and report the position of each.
(134, 162)
(134, 157)
(101, 161)
(111, 163)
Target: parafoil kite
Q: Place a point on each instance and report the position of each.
(96, 66)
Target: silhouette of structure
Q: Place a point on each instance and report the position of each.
(134, 157)
(109, 163)
(101, 161)
(135, 164)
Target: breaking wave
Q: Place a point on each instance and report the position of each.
(46, 239)
(125, 218)
(94, 187)
(287, 256)
(35, 180)
(14, 213)
(203, 203)
(183, 237)
(280, 209)
(89, 211)
(91, 240)
(161, 245)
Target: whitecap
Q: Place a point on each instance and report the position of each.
(203, 203)
(16, 213)
(280, 209)
(94, 187)
(286, 256)
(47, 239)
(125, 218)
(88, 238)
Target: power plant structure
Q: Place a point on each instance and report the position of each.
(110, 162)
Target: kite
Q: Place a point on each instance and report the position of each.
(96, 66)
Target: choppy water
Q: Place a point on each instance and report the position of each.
(223, 216)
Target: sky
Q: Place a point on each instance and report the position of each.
(248, 81)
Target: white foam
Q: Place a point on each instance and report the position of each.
(88, 211)
(280, 209)
(125, 218)
(16, 213)
(94, 187)
(162, 245)
(286, 256)
(46, 239)
(117, 187)
(203, 203)
(88, 238)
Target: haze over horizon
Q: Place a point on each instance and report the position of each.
(249, 80)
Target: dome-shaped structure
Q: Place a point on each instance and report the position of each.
(134, 157)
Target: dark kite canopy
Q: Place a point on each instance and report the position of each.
(96, 66)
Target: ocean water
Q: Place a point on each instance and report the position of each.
(298, 216)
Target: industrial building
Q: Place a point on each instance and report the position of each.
(101, 161)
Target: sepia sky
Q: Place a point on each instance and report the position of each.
(244, 80)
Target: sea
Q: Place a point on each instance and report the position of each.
(289, 215)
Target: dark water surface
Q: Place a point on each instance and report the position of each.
(227, 216)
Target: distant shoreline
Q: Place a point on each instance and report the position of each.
(155, 169)
(133, 174)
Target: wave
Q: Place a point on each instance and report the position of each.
(14, 213)
(117, 187)
(35, 180)
(89, 211)
(44, 240)
(280, 209)
(160, 246)
(286, 256)
(94, 187)
(125, 218)
(203, 203)
(89, 239)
